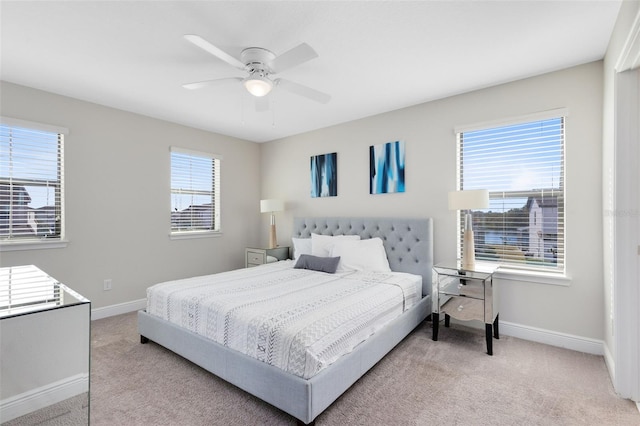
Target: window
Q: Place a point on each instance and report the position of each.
(195, 192)
(31, 182)
(522, 166)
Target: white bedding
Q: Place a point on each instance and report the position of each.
(295, 319)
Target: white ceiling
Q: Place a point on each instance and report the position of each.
(374, 56)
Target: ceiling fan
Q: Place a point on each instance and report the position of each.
(261, 65)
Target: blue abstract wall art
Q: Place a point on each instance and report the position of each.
(324, 175)
(386, 166)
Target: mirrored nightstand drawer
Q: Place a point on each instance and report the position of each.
(462, 287)
(464, 308)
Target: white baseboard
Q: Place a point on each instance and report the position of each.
(44, 396)
(553, 338)
(121, 308)
(609, 361)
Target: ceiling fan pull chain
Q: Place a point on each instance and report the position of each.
(273, 111)
(242, 107)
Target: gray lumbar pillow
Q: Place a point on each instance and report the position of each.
(316, 263)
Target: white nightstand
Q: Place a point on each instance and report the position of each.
(258, 256)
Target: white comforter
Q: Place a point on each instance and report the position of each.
(295, 319)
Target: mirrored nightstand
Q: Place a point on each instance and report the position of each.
(465, 295)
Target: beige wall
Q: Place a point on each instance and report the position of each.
(427, 130)
(117, 198)
(120, 234)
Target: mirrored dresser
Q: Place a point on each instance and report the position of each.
(45, 332)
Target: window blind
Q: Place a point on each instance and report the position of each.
(522, 166)
(31, 184)
(195, 189)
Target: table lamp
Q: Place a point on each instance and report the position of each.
(467, 200)
(271, 206)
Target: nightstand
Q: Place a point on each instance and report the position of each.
(258, 256)
(465, 295)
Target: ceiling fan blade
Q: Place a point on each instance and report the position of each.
(291, 58)
(208, 83)
(215, 51)
(262, 103)
(302, 90)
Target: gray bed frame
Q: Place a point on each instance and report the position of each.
(409, 246)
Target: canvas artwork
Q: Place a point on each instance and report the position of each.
(324, 175)
(386, 165)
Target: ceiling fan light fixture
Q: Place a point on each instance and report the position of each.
(258, 85)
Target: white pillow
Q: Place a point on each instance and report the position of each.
(301, 246)
(321, 244)
(363, 255)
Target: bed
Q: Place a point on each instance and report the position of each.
(408, 244)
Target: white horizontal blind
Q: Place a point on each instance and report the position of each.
(195, 189)
(31, 184)
(522, 166)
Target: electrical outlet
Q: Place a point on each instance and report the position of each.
(107, 285)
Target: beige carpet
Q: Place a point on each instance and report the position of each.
(421, 382)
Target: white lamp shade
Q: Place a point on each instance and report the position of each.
(467, 200)
(271, 205)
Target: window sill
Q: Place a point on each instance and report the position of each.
(536, 277)
(196, 234)
(32, 245)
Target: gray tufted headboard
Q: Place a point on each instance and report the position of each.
(408, 242)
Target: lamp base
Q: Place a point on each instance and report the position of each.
(272, 237)
(468, 251)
